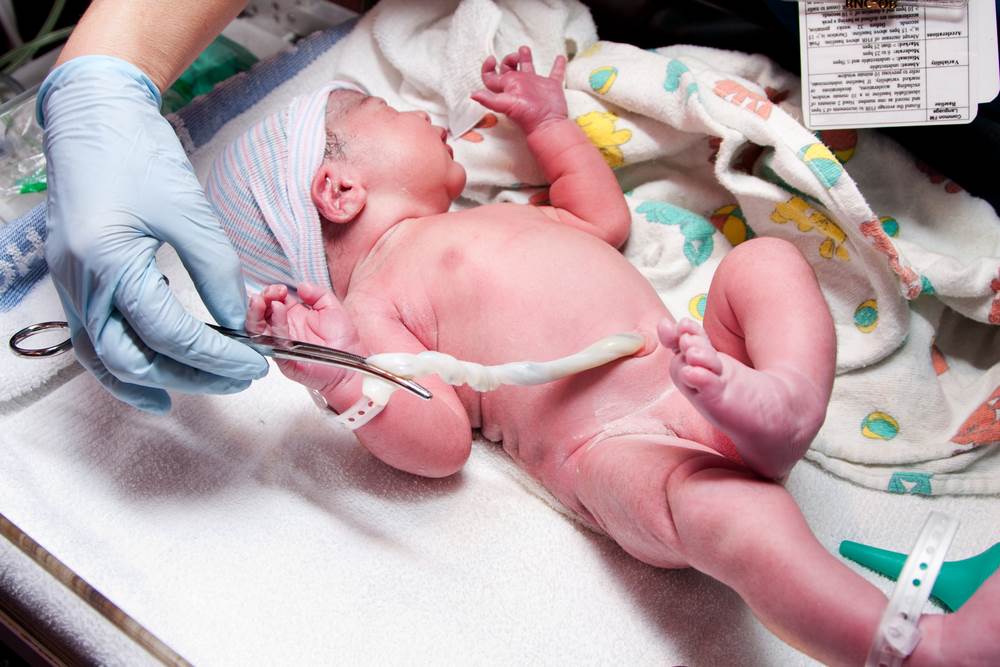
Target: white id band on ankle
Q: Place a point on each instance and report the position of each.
(897, 633)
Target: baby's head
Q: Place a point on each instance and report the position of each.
(374, 151)
(334, 157)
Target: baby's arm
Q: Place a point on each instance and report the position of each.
(430, 438)
(584, 191)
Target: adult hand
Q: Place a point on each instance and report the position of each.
(120, 185)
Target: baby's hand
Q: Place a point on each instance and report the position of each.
(530, 100)
(319, 318)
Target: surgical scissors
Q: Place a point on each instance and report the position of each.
(267, 345)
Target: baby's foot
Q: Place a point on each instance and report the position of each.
(771, 417)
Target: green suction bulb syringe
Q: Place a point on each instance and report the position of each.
(958, 580)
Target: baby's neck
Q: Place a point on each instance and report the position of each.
(347, 245)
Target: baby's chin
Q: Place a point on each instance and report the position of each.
(455, 180)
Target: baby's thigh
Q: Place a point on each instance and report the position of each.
(622, 482)
(765, 307)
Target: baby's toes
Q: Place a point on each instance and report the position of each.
(668, 334)
(703, 356)
(698, 378)
(686, 341)
(688, 326)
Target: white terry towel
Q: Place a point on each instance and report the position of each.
(426, 55)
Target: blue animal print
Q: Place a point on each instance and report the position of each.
(697, 231)
(912, 483)
(675, 70)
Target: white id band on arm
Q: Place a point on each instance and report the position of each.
(897, 633)
(360, 413)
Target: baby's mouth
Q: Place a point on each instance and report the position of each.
(444, 140)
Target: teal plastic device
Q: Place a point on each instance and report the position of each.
(956, 583)
(220, 60)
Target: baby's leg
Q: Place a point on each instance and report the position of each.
(749, 534)
(762, 369)
(672, 505)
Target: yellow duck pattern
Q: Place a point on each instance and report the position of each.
(599, 126)
(797, 210)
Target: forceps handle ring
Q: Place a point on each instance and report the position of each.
(29, 331)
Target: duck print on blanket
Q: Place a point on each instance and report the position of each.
(798, 211)
(599, 126)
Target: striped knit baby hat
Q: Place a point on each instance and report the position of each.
(260, 187)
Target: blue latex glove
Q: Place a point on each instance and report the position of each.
(119, 185)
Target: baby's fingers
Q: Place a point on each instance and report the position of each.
(490, 77)
(279, 319)
(327, 301)
(524, 56)
(311, 294)
(255, 315)
(558, 69)
(318, 298)
(274, 293)
(509, 63)
(501, 103)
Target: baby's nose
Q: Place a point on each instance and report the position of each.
(426, 116)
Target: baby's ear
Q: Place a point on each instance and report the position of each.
(337, 192)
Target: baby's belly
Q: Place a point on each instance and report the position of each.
(505, 284)
(544, 292)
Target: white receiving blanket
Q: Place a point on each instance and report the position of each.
(242, 529)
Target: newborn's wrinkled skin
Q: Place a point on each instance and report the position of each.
(668, 452)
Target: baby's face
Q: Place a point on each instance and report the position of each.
(397, 151)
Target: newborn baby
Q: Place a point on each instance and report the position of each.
(672, 452)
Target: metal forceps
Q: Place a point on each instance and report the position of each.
(269, 346)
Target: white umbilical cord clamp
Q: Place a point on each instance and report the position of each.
(376, 393)
(897, 633)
